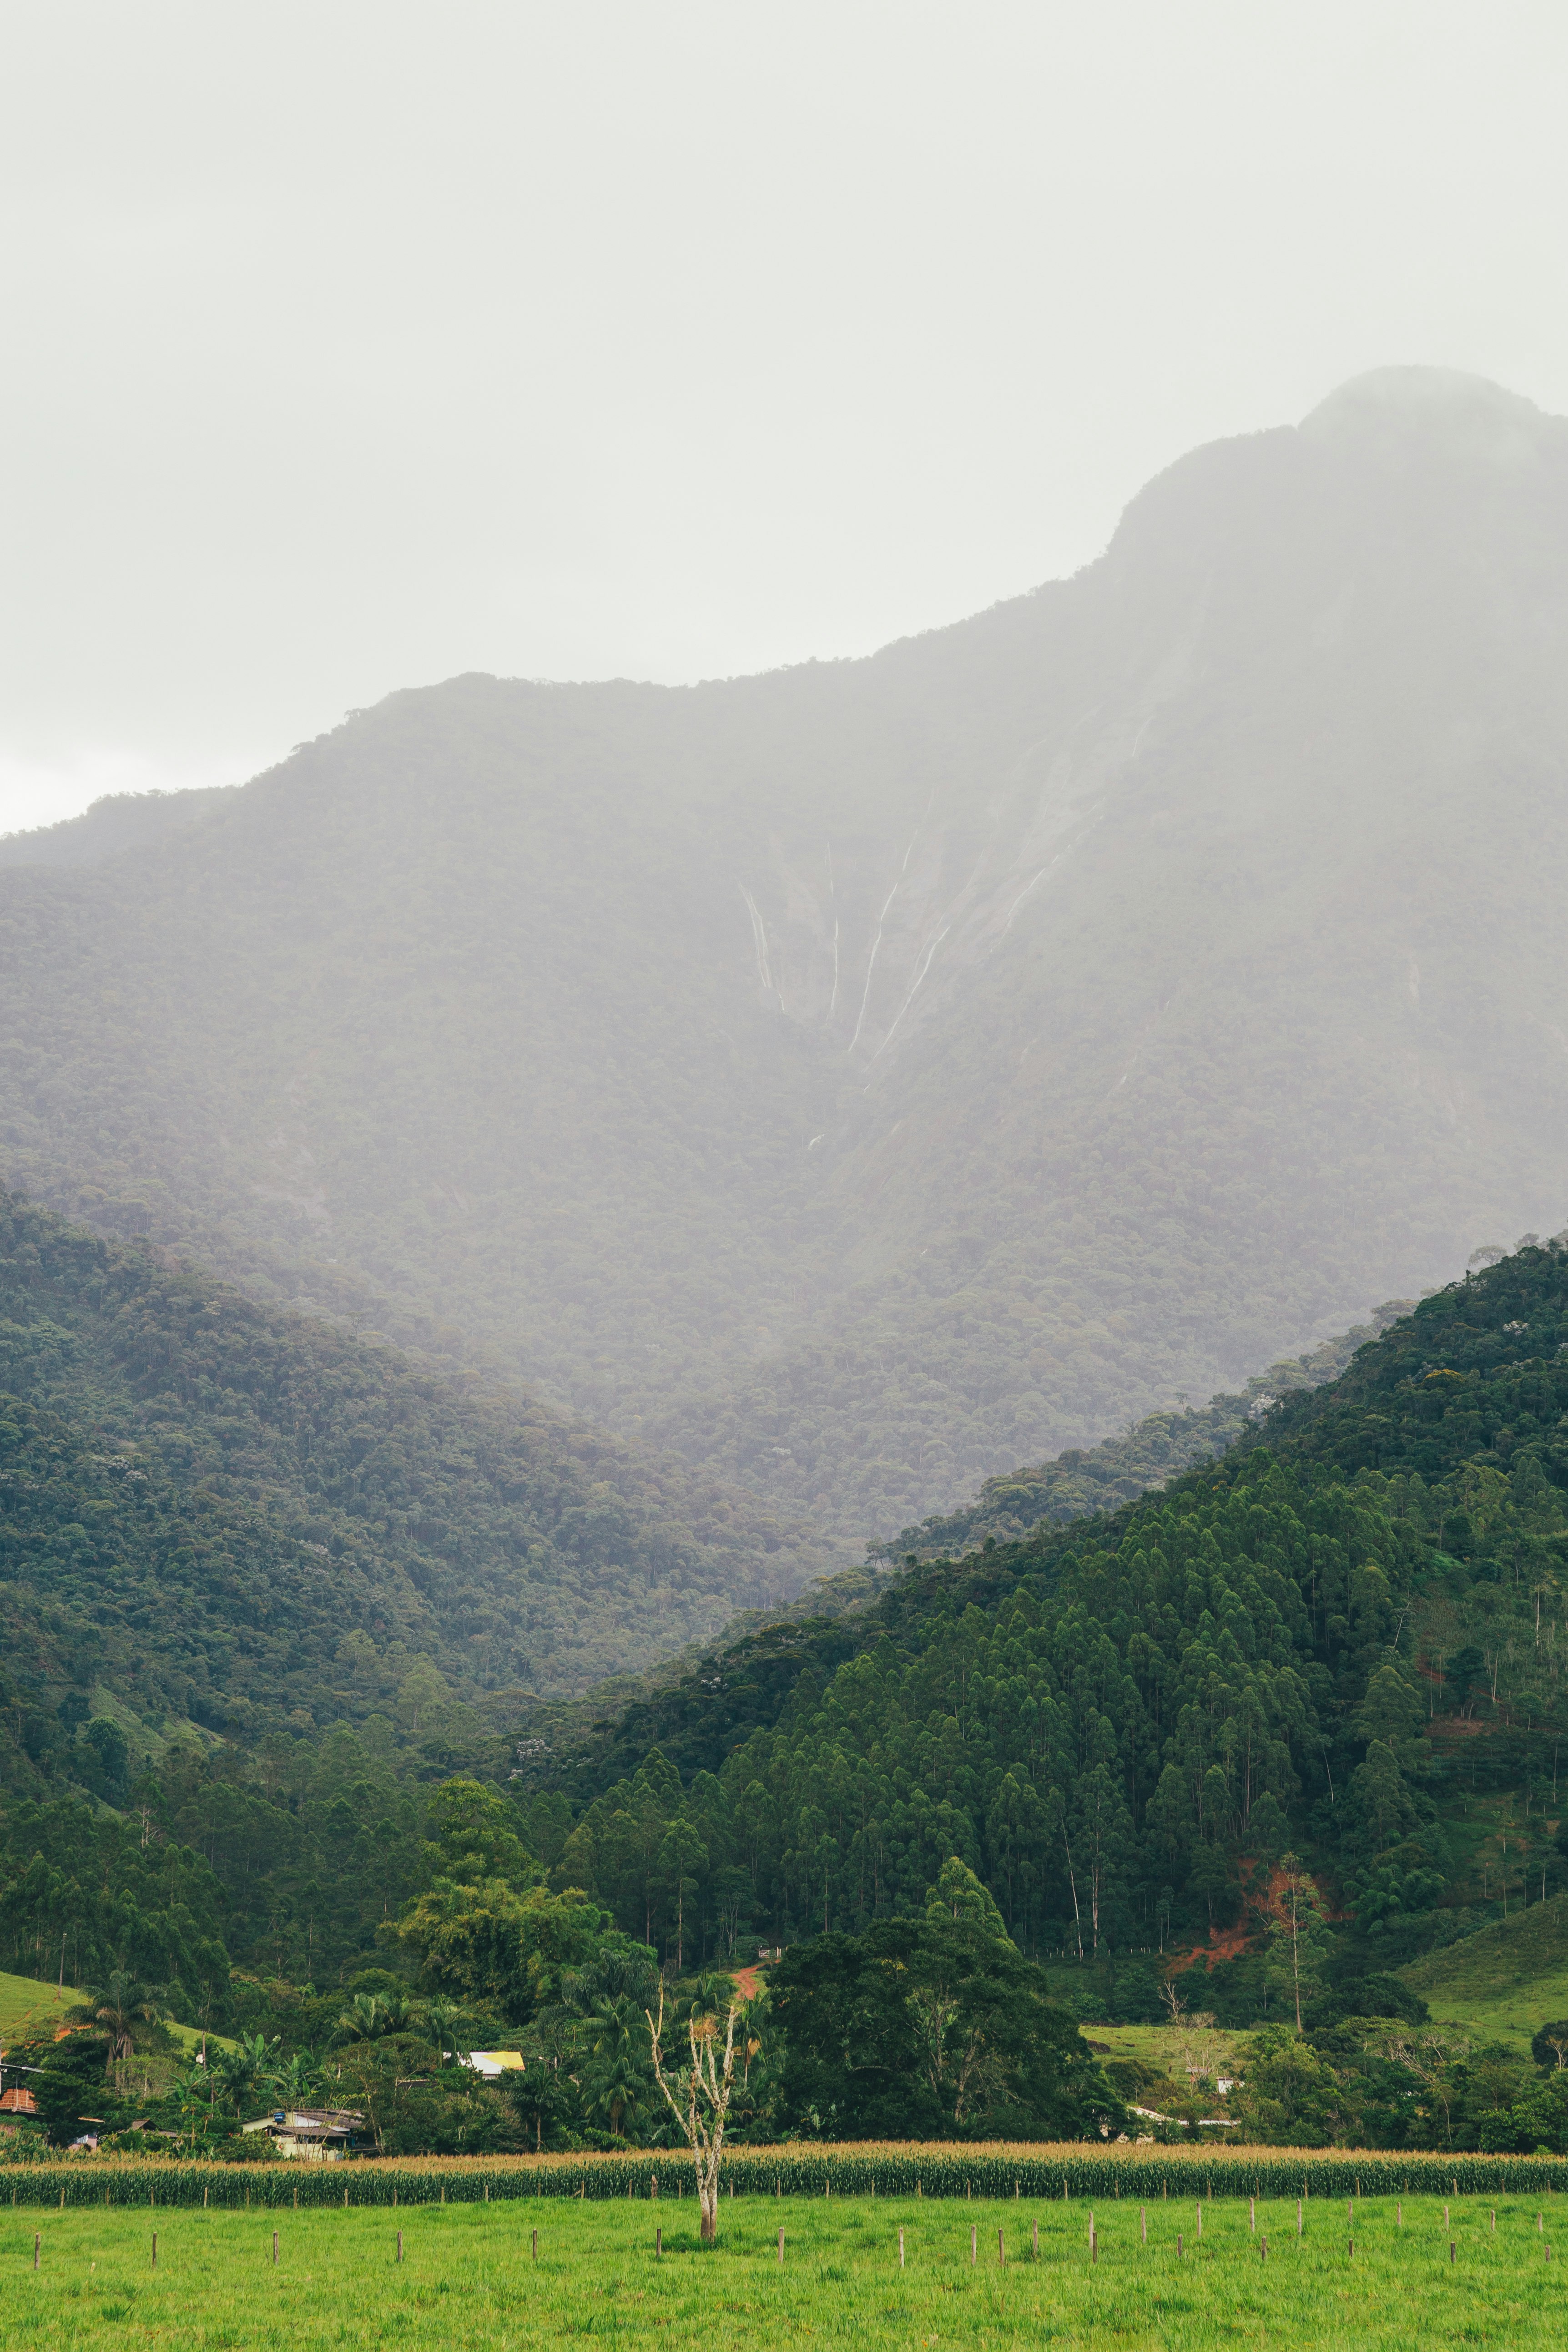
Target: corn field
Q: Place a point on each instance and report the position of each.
(867, 2170)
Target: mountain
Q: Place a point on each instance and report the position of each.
(117, 822)
(1155, 1450)
(862, 1078)
(225, 1521)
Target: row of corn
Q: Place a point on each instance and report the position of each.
(891, 2169)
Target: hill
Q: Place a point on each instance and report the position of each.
(119, 821)
(1343, 1636)
(1099, 1477)
(32, 2011)
(869, 1077)
(1504, 1981)
(220, 1516)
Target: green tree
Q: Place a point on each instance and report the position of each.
(958, 1895)
(116, 2008)
(1298, 1933)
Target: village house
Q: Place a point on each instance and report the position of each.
(491, 2064)
(317, 2135)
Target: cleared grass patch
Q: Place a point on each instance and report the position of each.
(469, 2279)
(30, 2008)
(1504, 1981)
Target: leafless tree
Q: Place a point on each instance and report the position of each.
(699, 2098)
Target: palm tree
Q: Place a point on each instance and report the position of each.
(240, 2069)
(441, 2017)
(615, 2075)
(371, 2015)
(362, 2020)
(296, 2081)
(117, 2006)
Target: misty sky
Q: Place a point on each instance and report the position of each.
(352, 345)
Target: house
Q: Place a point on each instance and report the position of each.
(19, 2102)
(317, 2135)
(491, 2064)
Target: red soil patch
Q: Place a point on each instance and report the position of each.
(1229, 1943)
(746, 1984)
(1223, 1943)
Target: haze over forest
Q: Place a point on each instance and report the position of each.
(864, 1078)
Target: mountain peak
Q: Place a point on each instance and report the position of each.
(1444, 410)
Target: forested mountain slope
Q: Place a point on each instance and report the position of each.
(1345, 1636)
(870, 1075)
(1156, 1449)
(223, 1513)
(118, 822)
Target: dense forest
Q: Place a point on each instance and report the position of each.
(1337, 1649)
(867, 1078)
(233, 1517)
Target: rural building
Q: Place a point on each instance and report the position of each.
(493, 2063)
(319, 2135)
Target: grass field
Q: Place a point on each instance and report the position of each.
(29, 2008)
(468, 2277)
(1503, 1981)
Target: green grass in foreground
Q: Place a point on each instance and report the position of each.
(468, 2280)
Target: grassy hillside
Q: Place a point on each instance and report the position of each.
(1506, 1980)
(29, 2009)
(30, 2012)
(869, 1076)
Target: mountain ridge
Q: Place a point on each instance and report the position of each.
(864, 1077)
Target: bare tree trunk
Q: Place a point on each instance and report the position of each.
(1072, 1882)
(703, 2112)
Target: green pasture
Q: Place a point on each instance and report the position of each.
(29, 2009)
(1505, 1980)
(469, 2276)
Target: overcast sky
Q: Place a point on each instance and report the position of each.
(349, 346)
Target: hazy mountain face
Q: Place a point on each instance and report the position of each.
(870, 1075)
